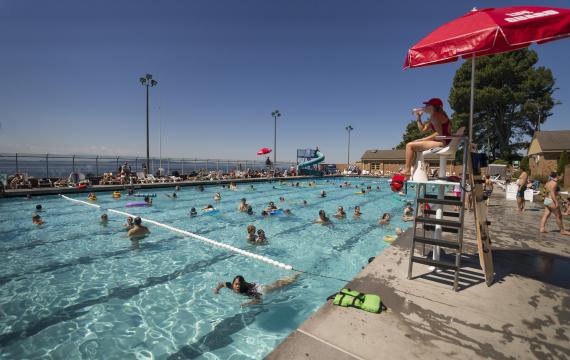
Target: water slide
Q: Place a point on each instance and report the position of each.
(319, 159)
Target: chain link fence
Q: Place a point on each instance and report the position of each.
(59, 166)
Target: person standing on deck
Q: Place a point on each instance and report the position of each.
(521, 182)
(551, 204)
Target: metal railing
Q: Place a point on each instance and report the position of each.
(56, 166)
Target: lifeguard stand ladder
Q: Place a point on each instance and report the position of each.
(441, 216)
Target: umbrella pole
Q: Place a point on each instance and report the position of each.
(472, 101)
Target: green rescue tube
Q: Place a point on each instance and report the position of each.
(352, 298)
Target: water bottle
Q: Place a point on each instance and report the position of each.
(418, 111)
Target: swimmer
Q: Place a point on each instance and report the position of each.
(209, 207)
(242, 205)
(251, 237)
(129, 225)
(193, 212)
(261, 239)
(281, 199)
(28, 197)
(340, 214)
(305, 203)
(148, 200)
(363, 191)
(378, 188)
(271, 206)
(408, 211)
(385, 219)
(251, 187)
(37, 220)
(173, 196)
(104, 219)
(264, 213)
(249, 210)
(357, 212)
(38, 207)
(288, 212)
(253, 290)
(201, 188)
(130, 191)
(177, 187)
(323, 219)
(323, 193)
(217, 197)
(138, 229)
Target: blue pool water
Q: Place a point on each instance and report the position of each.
(74, 288)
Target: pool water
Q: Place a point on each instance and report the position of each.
(73, 288)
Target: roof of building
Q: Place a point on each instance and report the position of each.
(390, 155)
(551, 141)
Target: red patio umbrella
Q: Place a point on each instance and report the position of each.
(264, 151)
(489, 31)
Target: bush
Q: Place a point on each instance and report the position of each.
(542, 179)
(516, 174)
(562, 162)
(524, 164)
(501, 162)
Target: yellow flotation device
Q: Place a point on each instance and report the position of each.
(116, 194)
(360, 193)
(93, 197)
(390, 238)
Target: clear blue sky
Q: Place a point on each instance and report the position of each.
(70, 74)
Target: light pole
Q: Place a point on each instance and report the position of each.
(147, 81)
(275, 115)
(349, 128)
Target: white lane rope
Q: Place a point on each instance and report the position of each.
(192, 235)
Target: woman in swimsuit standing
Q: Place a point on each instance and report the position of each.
(551, 205)
(438, 124)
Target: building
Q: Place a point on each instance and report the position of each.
(384, 162)
(545, 149)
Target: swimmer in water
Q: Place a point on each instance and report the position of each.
(129, 225)
(249, 210)
(323, 219)
(305, 203)
(28, 197)
(251, 237)
(173, 196)
(340, 214)
(288, 212)
(408, 213)
(271, 207)
(264, 213)
(193, 212)
(104, 219)
(323, 193)
(281, 199)
(177, 188)
(242, 205)
(253, 290)
(201, 188)
(138, 229)
(208, 208)
(261, 239)
(38, 208)
(37, 220)
(148, 200)
(385, 219)
(217, 197)
(357, 212)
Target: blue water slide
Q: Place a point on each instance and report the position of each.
(319, 159)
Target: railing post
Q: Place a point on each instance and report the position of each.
(47, 166)
(97, 165)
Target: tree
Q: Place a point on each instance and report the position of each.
(562, 162)
(508, 88)
(412, 133)
(524, 164)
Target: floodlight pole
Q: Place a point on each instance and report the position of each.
(275, 115)
(147, 81)
(349, 128)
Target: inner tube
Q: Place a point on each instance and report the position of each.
(116, 194)
(144, 195)
(81, 186)
(92, 198)
(360, 193)
(389, 238)
(276, 212)
(136, 203)
(211, 212)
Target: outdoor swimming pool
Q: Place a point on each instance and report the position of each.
(74, 288)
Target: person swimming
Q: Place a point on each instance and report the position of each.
(357, 212)
(201, 188)
(281, 199)
(104, 219)
(408, 213)
(148, 200)
(208, 208)
(129, 225)
(193, 212)
(37, 220)
(323, 219)
(242, 205)
(38, 208)
(305, 203)
(261, 239)
(177, 188)
(249, 210)
(323, 193)
(217, 196)
(253, 290)
(173, 196)
(271, 206)
(385, 219)
(251, 237)
(340, 214)
(264, 213)
(138, 229)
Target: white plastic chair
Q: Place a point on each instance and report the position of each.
(419, 173)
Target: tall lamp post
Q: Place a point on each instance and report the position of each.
(349, 128)
(275, 115)
(147, 81)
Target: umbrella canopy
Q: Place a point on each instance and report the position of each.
(264, 151)
(489, 31)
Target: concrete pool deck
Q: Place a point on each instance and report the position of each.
(525, 314)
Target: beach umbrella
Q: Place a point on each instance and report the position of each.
(264, 151)
(486, 32)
